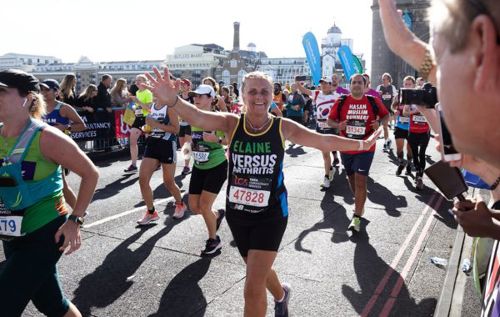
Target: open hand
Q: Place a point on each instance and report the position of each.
(164, 88)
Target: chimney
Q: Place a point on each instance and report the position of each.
(236, 38)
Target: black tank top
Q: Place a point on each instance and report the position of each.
(256, 188)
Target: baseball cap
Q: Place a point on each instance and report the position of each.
(203, 90)
(50, 84)
(186, 81)
(326, 80)
(15, 78)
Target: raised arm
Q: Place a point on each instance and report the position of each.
(303, 89)
(299, 134)
(165, 89)
(402, 41)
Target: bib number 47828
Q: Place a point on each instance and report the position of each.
(248, 196)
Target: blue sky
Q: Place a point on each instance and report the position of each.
(112, 30)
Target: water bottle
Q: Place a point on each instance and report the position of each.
(466, 266)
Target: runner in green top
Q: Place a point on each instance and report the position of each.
(35, 227)
(209, 172)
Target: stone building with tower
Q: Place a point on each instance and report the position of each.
(383, 60)
(239, 62)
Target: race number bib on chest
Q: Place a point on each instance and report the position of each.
(323, 125)
(356, 129)
(249, 196)
(201, 157)
(419, 119)
(404, 119)
(250, 193)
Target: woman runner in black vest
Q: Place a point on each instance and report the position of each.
(257, 209)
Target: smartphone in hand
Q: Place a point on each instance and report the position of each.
(448, 151)
(300, 78)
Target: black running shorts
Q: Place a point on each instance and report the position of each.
(210, 180)
(139, 122)
(161, 150)
(400, 133)
(262, 235)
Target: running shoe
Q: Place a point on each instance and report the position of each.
(148, 218)
(331, 173)
(355, 224)
(211, 246)
(281, 308)
(180, 208)
(419, 184)
(222, 213)
(388, 145)
(186, 170)
(400, 168)
(132, 168)
(326, 183)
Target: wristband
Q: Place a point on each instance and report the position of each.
(360, 148)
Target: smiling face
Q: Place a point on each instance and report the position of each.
(257, 95)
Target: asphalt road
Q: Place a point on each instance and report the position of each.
(124, 270)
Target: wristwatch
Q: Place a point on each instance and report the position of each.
(78, 220)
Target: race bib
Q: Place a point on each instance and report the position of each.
(138, 112)
(404, 119)
(10, 226)
(356, 130)
(249, 196)
(201, 157)
(323, 125)
(419, 119)
(386, 96)
(158, 134)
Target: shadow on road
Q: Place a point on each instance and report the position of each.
(295, 150)
(112, 278)
(380, 195)
(334, 217)
(115, 187)
(370, 269)
(183, 296)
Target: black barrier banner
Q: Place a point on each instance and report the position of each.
(99, 126)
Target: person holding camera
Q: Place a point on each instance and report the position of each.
(357, 116)
(465, 40)
(38, 229)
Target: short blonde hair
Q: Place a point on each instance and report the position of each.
(452, 19)
(256, 75)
